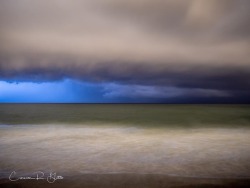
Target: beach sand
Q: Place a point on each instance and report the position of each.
(129, 181)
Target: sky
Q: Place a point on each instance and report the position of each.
(125, 51)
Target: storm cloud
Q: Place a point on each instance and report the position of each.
(193, 47)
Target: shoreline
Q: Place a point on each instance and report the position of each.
(194, 153)
(130, 181)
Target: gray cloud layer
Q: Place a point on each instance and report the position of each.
(202, 44)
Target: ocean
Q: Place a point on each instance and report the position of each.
(98, 142)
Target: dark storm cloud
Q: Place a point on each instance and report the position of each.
(191, 76)
(192, 44)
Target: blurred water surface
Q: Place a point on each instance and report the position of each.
(177, 140)
(136, 114)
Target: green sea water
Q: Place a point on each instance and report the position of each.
(132, 114)
(197, 141)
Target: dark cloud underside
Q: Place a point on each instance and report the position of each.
(192, 44)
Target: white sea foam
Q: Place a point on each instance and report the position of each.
(204, 152)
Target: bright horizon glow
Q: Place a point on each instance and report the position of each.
(64, 91)
(75, 91)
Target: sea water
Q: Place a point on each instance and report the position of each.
(176, 140)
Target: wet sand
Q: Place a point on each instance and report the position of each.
(129, 181)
